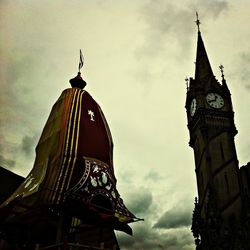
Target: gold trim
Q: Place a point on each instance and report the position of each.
(66, 148)
(94, 159)
(67, 97)
(72, 142)
(77, 138)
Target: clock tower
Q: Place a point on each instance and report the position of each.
(210, 116)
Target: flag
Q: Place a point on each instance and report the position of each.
(81, 61)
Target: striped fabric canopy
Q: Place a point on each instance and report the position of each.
(74, 161)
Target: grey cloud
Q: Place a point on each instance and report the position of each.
(169, 33)
(5, 149)
(22, 108)
(11, 150)
(153, 176)
(175, 218)
(21, 93)
(146, 237)
(244, 69)
(6, 163)
(28, 144)
(126, 176)
(125, 241)
(213, 7)
(140, 201)
(166, 24)
(170, 24)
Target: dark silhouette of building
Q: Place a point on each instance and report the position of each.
(221, 218)
(9, 182)
(69, 199)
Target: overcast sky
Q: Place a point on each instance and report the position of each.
(137, 55)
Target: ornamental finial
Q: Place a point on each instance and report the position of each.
(197, 21)
(81, 61)
(78, 82)
(222, 71)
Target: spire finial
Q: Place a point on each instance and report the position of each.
(78, 82)
(81, 61)
(197, 21)
(222, 71)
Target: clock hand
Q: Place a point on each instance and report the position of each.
(213, 100)
(209, 101)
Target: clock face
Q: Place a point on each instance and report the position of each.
(193, 107)
(215, 100)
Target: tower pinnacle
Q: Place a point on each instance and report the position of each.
(222, 71)
(187, 82)
(197, 21)
(224, 84)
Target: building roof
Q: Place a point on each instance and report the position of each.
(9, 182)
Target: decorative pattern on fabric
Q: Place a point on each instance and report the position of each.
(30, 185)
(98, 179)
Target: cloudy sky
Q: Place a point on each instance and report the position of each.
(137, 55)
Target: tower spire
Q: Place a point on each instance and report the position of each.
(202, 66)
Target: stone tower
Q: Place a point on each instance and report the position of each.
(218, 210)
